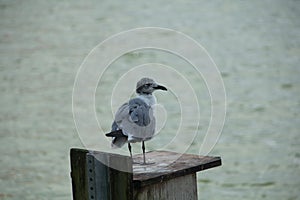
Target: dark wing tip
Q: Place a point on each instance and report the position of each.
(117, 133)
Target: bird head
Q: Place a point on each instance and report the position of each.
(148, 86)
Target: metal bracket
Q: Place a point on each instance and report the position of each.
(90, 171)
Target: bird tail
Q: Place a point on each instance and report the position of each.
(118, 142)
(119, 139)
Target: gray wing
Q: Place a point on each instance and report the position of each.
(136, 120)
(139, 112)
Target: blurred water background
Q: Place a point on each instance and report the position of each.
(255, 44)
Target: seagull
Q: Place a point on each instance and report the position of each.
(134, 121)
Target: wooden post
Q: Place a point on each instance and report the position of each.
(78, 174)
(172, 176)
(94, 180)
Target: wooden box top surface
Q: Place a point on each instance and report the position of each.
(167, 165)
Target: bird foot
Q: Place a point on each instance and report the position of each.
(147, 163)
(142, 163)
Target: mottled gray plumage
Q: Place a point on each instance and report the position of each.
(135, 118)
(139, 112)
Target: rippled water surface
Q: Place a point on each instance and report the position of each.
(255, 44)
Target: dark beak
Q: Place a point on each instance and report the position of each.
(160, 87)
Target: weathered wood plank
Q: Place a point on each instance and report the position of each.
(101, 176)
(121, 177)
(78, 174)
(180, 188)
(172, 176)
(168, 165)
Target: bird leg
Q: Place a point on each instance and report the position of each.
(129, 147)
(143, 147)
(144, 155)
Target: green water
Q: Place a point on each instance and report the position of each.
(255, 44)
